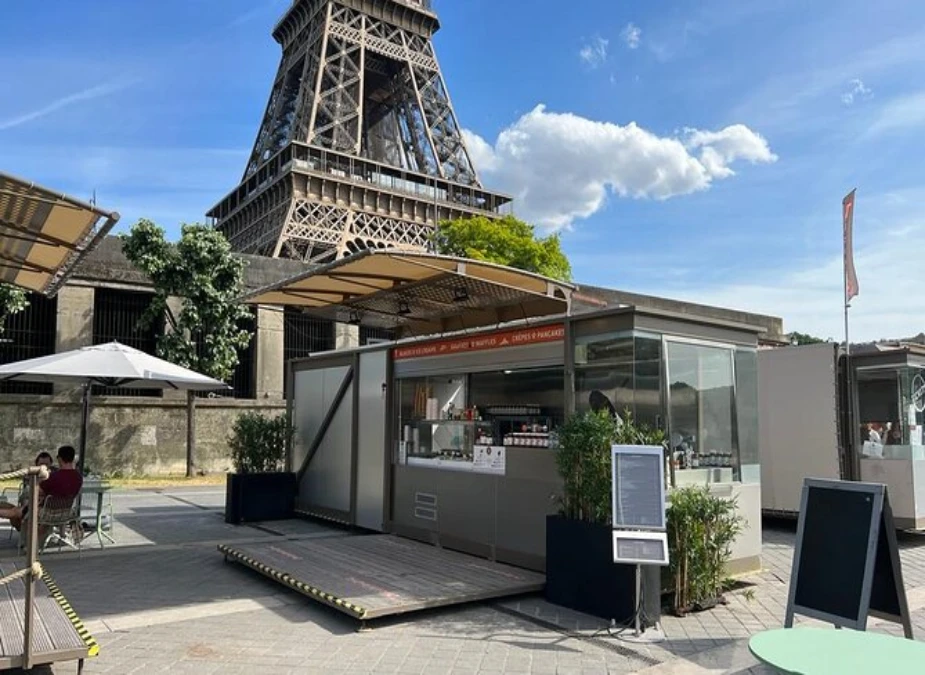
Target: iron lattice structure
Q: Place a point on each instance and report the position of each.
(359, 145)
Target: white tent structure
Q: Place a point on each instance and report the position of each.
(107, 365)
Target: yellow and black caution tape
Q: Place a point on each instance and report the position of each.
(289, 580)
(92, 647)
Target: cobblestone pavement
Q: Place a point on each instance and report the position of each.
(165, 601)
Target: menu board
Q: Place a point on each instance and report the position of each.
(489, 458)
(638, 487)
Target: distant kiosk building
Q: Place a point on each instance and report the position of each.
(359, 147)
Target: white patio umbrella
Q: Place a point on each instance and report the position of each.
(108, 365)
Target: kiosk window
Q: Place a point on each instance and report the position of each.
(701, 411)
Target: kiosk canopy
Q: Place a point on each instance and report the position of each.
(418, 293)
(44, 234)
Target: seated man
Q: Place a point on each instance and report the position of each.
(64, 483)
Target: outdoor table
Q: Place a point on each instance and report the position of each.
(100, 489)
(826, 650)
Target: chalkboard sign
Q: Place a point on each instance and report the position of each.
(846, 562)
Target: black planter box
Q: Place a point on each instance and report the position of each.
(581, 573)
(252, 497)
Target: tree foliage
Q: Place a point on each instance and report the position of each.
(506, 241)
(805, 339)
(200, 270)
(12, 301)
(701, 530)
(583, 459)
(258, 443)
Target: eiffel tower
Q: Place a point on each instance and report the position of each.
(359, 146)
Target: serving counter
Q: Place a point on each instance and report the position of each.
(904, 477)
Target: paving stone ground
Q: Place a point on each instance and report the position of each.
(164, 600)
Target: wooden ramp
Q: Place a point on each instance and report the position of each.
(372, 576)
(59, 634)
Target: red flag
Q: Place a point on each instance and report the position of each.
(851, 277)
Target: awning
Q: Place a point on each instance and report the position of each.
(44, 234)
(417, 293)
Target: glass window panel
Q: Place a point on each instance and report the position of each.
(878, 400)
(701, 410)
(746, 393)
(647, 365)
(604, 374)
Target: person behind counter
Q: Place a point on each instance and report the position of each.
(895, 435)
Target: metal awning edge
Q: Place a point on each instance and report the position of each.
(328, 268)
(83, 245)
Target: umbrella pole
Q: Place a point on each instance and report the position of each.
(190, 431)
(84, 423)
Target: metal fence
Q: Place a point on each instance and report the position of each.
(29, 334)
(117, 315)
(244, 379)
(303, 335)
(369, 336)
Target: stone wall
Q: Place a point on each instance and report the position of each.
(127, 436)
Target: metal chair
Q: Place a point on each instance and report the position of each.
(15, 496)
(59, 522)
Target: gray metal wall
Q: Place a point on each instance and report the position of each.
(798, 409)
(372, 453)
(500, 517)
(326, 482)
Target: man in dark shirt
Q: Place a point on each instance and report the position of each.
(64, 483)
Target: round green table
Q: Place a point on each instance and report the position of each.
(808, 651)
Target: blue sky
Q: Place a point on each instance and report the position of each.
(698, 150)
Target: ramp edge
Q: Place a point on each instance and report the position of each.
(93, 648)
(284, 578)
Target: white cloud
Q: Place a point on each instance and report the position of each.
(858, 90)
(903, 112)
(594, 53)
(718, 149)
(84, 95)
(631, 35)
(560, 167)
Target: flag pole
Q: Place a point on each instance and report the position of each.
(854, 457)
(850, 279)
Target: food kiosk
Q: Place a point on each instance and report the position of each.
(452, 440)
(889, 404)
(817, 422)
(449, 438)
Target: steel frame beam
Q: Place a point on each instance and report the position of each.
(361, 81)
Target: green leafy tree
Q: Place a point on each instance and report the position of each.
(12, 301)
(505, 241)
(805, 339)
(200, 269)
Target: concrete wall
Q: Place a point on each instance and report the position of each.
(127, 436)
(592, 297)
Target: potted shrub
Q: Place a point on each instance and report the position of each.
(580, 572)
(259, 489)
(701, 530)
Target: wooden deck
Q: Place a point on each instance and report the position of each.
(372, 576)
(59, 634)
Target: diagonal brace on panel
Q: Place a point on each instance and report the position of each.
(326, 423)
